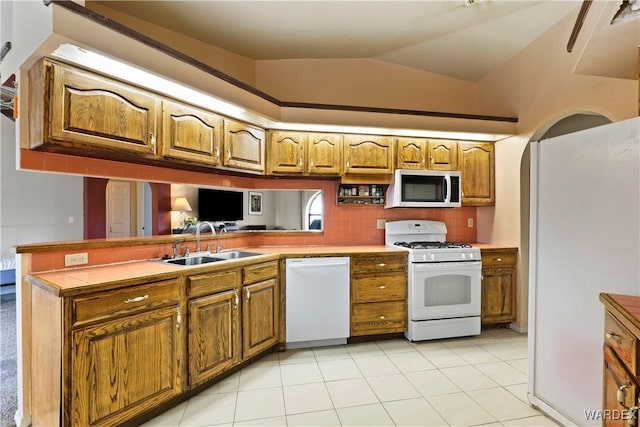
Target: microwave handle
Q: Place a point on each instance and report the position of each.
(447, 188)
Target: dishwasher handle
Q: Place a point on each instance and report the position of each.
(305, 265)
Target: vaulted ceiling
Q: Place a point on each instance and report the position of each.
(464, 39)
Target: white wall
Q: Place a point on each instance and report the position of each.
(35, 206)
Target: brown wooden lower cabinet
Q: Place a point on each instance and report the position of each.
(621, 356)
(499, 278)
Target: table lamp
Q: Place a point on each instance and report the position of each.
(181, 204)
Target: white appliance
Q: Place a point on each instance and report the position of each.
(317, 301)
(444, 280)
(585, 239)
(424, 189)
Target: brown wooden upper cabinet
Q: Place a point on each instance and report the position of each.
(76, 109)
(412, 153)
(367, 154)
(190, 134)
(476, 162)
(301, 153)
(443, 155)
(243, 147)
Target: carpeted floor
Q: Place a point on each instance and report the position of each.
(8, 370)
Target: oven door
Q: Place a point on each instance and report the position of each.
(444, 290)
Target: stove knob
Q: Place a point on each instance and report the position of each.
(463, 256)
(432, 257)
(470, 255)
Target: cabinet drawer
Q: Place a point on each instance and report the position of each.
(205, 284)
(259, 272)
(498, 258)
(379, 287)
(622, 342)
(379, 263)
(124, 301)
(378, 318)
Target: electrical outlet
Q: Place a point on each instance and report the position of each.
(76, 259)
(470, 222)
(380, 224)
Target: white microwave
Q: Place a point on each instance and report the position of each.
(424, 189)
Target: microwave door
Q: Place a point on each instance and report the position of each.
(447, 189)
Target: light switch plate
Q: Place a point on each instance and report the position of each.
(470, 222)
(380, 224)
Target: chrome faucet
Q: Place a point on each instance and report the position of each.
(213, 232)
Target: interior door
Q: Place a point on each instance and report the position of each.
(118, 209)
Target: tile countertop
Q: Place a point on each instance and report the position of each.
(78, 280)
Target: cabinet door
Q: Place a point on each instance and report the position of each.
(477, 164)
(89, 111)
(214, 335)
(616, 380)
(498, 295)
(124, 367)
(243, 146)
(190, 134)
(325, 154)
(443, 155)
(412, 153)
(259, 317)
(366, 154)
(286, 153)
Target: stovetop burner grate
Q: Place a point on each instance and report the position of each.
(432, 245)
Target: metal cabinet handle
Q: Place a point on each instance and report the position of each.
(382, 287)
(498, 259)
(621, 395)
(248, 292)
(136, 299)
(614, 337)
(152, 137)
(300, 162)
(236, 299)
(310, 162)
(382, 317)
(382, 264)
(178, 318)
(217, 153)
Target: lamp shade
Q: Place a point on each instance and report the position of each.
(181, 204)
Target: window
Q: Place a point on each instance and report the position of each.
(314, 212)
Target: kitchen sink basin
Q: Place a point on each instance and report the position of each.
(193, 260)
(209, 257)
(236, 254)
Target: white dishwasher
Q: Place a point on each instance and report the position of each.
(317, 303)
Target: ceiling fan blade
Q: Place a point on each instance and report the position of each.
(586, 4)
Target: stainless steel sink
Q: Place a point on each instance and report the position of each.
(193, 260)
(236, 254)
(197, 259)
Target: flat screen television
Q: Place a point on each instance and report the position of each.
(220, 205)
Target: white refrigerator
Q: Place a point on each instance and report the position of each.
(585, 239)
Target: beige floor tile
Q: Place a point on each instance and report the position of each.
(170, 418)
(460, 410)
(300, 373)
(306, 398)
(444, 358)
(227, 385)
(473, 354)
(428, 345)
(376, 366)
(206, 410)
(393, 387)
(395, 346)
(263, 422)
(468, 378)
(502, 373)
(519, 391)
(339, 369)
(367, 416)
(505, 351)
(331, 352)
(364, 349)
(353, 392)
(257, 404)
(431, 383)
(414, 412)
(410, 361)
(537, 421)
(252, 378)
(520, 364)
(314, 419)
(297, 356)
(501, 404)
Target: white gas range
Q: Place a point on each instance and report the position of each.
(444, 280)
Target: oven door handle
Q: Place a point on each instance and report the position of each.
(441, 266)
